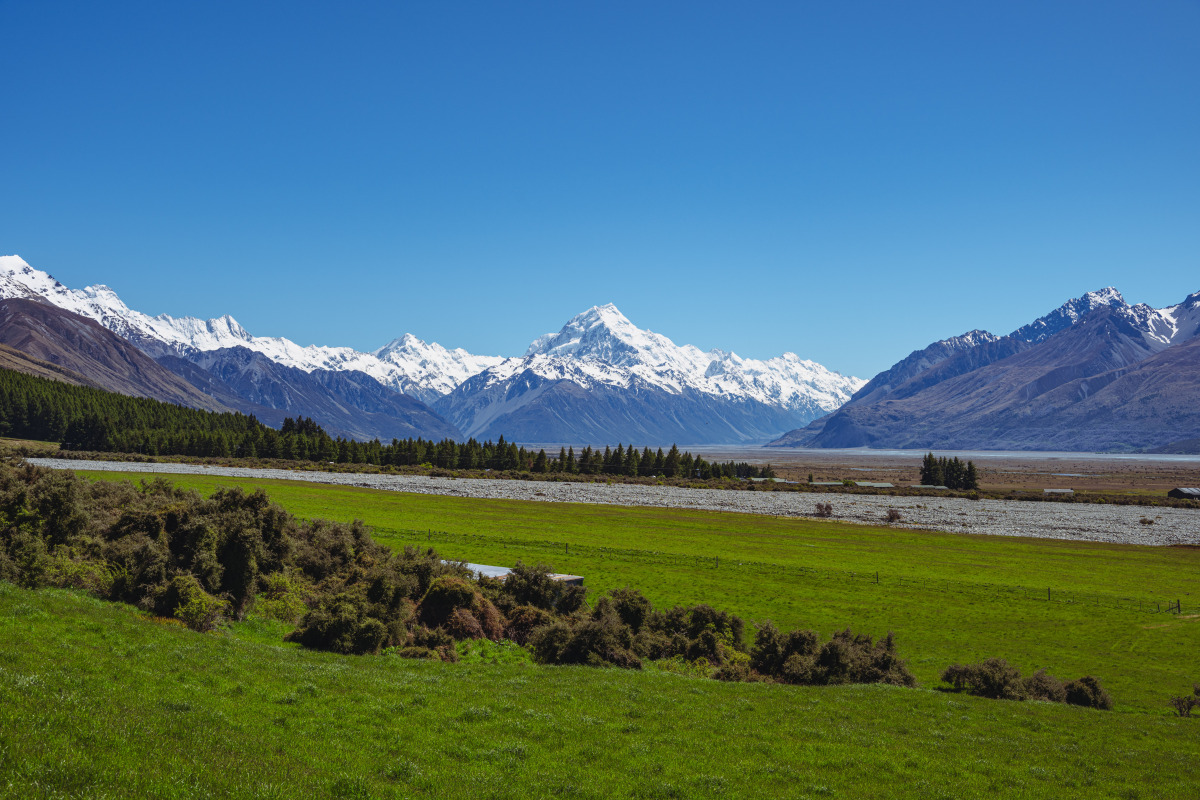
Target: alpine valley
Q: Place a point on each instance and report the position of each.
(598, 380)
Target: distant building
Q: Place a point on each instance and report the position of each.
(1058, 491)
(500, 573)
(1185, 494)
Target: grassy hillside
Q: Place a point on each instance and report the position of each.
(949, 598)
(96, 701)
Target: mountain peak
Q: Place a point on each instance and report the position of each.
(1068, 314)
(600, 332)
(13, 263)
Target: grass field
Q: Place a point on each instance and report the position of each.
(98, 702)
(949, 598)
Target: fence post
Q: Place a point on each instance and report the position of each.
(877, 577)
(716, 562)
(1047, 594)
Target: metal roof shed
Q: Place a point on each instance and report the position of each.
(1185, 494)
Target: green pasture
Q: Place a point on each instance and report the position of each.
(948, 597)
(99, 702)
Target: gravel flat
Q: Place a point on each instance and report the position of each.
(1050, 520)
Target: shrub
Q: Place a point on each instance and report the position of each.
(994, 678)
(463, 625)
(281, 598)
(445, 596)
(1088, 692)
(1040, 686)
(193, 606)
(341, 624)
(533, 586)
(824, 510)
(1183, 705)
(997, 679)
(548, 642)
(892, 516)
(631, 606)
(523, 621)
(736, 672)
(436, 641)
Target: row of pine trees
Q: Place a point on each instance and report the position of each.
(951, 473)
(86, 419)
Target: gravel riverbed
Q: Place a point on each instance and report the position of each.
(1076, 521)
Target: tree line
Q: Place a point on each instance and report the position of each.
(951, 473)
(85, 419)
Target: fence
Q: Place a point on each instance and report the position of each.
(983, 591)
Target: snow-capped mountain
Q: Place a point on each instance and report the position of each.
(1094, 373)
(408, 365)
(599, 379)
(601, 352)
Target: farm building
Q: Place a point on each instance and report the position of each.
(1185, 494)
(500, 573)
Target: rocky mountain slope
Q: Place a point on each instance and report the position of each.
(600, 378)
(346, 403)
(1094, 374)
(422, 370)
(96, 355)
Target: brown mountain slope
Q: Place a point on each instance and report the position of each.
(1095, 386)
(19, 362)
(69, 342)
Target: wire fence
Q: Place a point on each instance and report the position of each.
(892, 582)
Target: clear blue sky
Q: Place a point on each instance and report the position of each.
(845, 180)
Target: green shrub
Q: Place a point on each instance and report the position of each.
(281, 598)
(341, 623)
(631, 606)
(523, 621)
(994, 678)
(193, 606)
(1040, 686)
(458, 606)
(799, 658)
(1088, 692)
(533, 586)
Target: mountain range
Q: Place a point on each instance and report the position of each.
(597, 380)
(1095, 374)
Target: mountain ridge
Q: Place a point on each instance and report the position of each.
(599, 347)
(1073, 379)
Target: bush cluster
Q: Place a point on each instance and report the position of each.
(999, 680)
(799, 657)
(1185, 704)
(202, 561)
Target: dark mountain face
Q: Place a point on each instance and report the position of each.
(345, 403)
(101, 358)
(1104, 380)
(531, 408)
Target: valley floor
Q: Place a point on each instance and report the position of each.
(1049, 520)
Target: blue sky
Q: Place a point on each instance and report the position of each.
(849, 181)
